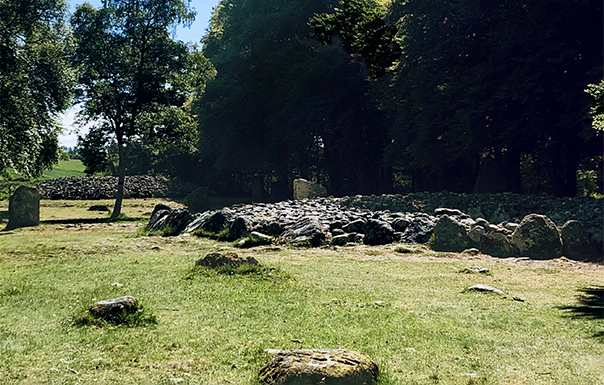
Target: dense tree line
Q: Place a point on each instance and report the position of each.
(371, 97)
(363, 96)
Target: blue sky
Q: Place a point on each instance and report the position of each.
(192, 34)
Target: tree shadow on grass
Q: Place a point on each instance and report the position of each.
(590, 305)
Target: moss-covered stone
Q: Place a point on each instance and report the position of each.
(319, 366)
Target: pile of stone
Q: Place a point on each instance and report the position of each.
(309, 221)
(94, 188)
(314, 222)
(536, 237)
(495, 208)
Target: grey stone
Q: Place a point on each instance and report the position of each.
(306, 230)
(304, 189)
(537, 237)
(449, 235)
(378, 233)
(485, 289)
(356, 226)
(109, 308)
(576, 243)
(241, 227)
(339, 240)
(419, 231)
(496, 244)
(23, 208)
(319, 366)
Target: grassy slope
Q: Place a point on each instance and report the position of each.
(214, 329)
(65, 168)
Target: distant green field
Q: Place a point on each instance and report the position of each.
(65, 168)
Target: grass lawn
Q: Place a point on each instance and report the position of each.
(408, 311)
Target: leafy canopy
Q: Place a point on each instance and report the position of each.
(36, 81)
(135, 81)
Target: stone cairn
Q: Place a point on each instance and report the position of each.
(350, 221)
(93, 188)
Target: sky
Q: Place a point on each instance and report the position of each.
(192, 34)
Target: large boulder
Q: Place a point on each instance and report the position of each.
(378, 233)
(496, 244)
(307, 230)
(319, 366)
(172, 222)
(241, 227)
(449, 235)
(419, 230)
(537, 237)
(576, 243)
(23, 208)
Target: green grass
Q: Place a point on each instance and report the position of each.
(408, 311)
(65, 168)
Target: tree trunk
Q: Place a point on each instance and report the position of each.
(121, 177)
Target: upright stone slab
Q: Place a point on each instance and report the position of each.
(24, 208)
(304, 189)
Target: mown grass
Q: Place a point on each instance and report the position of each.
(408, 311)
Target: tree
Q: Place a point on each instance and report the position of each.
(361, 26)
(36, 82)
(284, 106)
(136, 83)
(503, 80)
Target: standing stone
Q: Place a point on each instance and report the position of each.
(24, 208)
(319, 366)
(304, 189)
(537, 237)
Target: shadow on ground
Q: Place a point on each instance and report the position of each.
(590, 304)
(90, 220)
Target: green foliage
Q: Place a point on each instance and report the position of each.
(361, 26)
(596, 92)
(135, 82)
(503, 80)
(36, 82)
(302, 111)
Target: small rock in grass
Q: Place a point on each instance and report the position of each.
(319, 366)
(475, 269)
(485, 289)
(112, 307)
(216, 260)
(472, 251)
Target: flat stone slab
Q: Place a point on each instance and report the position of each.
(112, 307)
(485, 289)
(319, 366)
